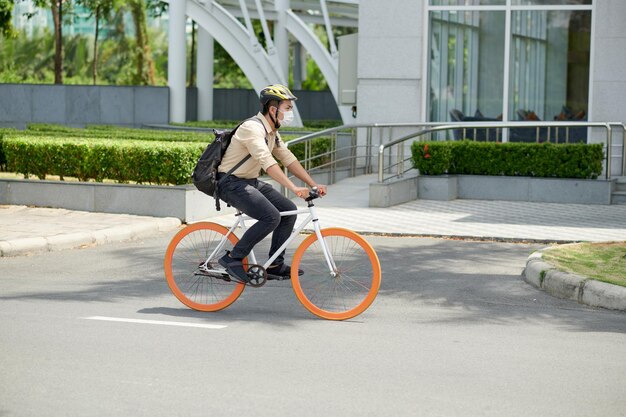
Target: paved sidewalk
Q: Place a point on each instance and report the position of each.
(28, 229)
(25, 230)
(346, 205)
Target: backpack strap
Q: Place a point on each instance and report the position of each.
(240, 163)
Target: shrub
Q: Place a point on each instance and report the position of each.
(432, 158)
(3, 159)
(115, 132)
(319, 149)
(510, 159)
(95, 143)
(98, 159)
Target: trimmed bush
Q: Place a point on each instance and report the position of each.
(74, 141)
(115, 132)
(319, 149)
(124, 161)
(3, 159)
(509, 159)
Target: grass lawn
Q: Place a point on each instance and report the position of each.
(600, 261)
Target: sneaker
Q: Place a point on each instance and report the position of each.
(280, 272)
(234, 267)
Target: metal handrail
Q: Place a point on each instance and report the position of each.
(427, 128)
(438, 127)
(623, 126)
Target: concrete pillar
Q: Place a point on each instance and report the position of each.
(389, 78)
(205, 74)
(608, 79)
(297, 66)
(281, 37)
(177, 61)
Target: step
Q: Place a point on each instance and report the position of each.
(618, 197)
(620, 183)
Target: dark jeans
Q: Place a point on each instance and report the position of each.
(262, 202)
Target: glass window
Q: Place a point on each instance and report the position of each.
(548, 2)
(466, 65)
(549, 65)
(467, 2)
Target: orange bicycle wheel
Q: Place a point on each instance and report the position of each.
(349, 288)
(187, 251)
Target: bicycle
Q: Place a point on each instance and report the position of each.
(342, 273)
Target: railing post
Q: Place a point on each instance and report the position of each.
(381, 155)
(306, 155)
(333, 157)
(537, 135)
(283, 190)
(624, 150)
(400, 160)
(609, 145)
(369, 152)
(353, 153)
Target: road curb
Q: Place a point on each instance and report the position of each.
(571, 286)
(29, 246)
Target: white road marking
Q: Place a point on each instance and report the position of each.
(163, 323)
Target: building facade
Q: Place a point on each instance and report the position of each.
(429, 60)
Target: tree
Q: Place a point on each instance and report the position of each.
(144, 62)
(99, 9)
(6, 14)
(57, 8)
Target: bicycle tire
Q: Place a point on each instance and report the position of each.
(188, 249)
(357, 280)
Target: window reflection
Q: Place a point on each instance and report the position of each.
(548, 2)
(466, 65)
(548, 66)
(467, 2)
(549, 71)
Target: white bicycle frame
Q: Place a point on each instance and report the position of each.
(240, 222)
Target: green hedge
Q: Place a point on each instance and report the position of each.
(319, 148)
(115, 132)
(3, 160)
(95, 135)
(510, 159)
(229, 124)
(151, 162)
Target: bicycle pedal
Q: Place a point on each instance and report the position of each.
(214, 273)
(271, 277)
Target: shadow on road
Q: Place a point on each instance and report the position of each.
(479, 282)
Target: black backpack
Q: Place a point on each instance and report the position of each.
(205, 173)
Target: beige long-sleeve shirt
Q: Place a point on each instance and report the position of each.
(250, 139)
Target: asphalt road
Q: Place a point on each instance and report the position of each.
(455, 331)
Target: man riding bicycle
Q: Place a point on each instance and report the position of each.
(258, 199)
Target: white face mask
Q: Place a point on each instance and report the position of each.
(287, 118)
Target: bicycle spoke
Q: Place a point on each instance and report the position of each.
(195, 287)
(350, 287)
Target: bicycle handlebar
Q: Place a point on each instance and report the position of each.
(313, 194)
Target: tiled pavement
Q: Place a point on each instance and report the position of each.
(25, 230)
(346, 205)
(28, 229)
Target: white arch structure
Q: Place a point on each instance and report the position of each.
(261, 67)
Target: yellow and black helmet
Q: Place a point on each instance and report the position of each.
(276, 92)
